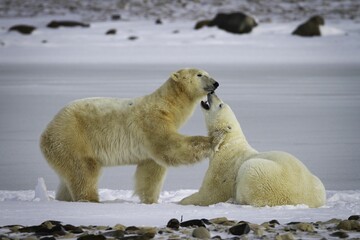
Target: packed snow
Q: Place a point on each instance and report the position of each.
(300, 95)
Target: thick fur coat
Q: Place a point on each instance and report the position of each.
(92, 133)
(240, 172)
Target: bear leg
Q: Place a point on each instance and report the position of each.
(149, 179)
(82, 180)
(63, 193)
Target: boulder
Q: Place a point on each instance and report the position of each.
(57, 24)
(236, 22)
(310, 28)
(23, 29)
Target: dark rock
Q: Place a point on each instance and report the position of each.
(132, 38)
(111, 32)
(236, 22)
(115, 234)
(56, 230)
(350, 225)
(92, 237)
(23, 29)
(217, 237)
(310, 28)
(354, 217)
(131, 230)
(274, 222)
(73, 229)
(201, 233)
(306, 227)
(173, 224)
(339, 234)
(47, 238)
(201, 24)
(240, 229)
(57, 24)
(193, 223)
(292, 223)
(116, 17)
(206, 221)
(158, 21)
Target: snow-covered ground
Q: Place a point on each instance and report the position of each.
(300, 95)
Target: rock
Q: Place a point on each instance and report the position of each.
(286, 236)
(354, 217)
(111, 32)
(339, 234)
(240, 229)
(119, 227)
(274, 222)
(92, 237)
(349, 225)
(23, 29)
(158, 21)
(73, 229)
(306, 227)
(257, 229)
(132, 230)
(310, 28)
(201, 233)
(114, 234)
(132, 38)
(223, 221)
(47, 238)
(173, 224)
(115, 17)
(192, 223)
(236, 22)
(57, 24)
(201, 24)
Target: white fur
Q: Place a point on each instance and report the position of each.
(238, 171)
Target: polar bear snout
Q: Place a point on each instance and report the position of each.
(211, 85)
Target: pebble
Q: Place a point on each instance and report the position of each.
(350, 225)
(286, 236)
(92, 237)
(192, 223)
(240, 229)
(339, 234)
(173, 224)
(201, 233)
(306, 227)
(354, 217)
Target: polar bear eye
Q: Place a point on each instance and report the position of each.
(199, 75)
(221, 105)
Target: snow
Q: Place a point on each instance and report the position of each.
(300, 95)
(119, 206)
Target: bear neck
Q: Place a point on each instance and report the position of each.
(236, 142)
(173, 98)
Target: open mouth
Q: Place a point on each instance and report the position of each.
(207, 104)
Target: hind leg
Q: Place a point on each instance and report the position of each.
(63, 193)
(149, 179)
(82, 179)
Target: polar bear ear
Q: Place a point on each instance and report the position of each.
(175, 76)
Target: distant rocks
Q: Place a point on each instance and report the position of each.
(23, 29)
(111, 32)
(195, 228)
(237, 22)
(57, 24)
(310, 28)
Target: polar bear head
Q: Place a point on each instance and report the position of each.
(195, 83)
(219, 117)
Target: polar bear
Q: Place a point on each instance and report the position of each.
(92, 133)
(240, 172)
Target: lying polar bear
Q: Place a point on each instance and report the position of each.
(238, 171)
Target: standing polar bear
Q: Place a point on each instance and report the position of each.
(92, 133)
(238, 171)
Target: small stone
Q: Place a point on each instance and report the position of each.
(111, 32)
(348, 225)
(306, 227)
(173, 224)
(73, 229)
(340, 234)
(116, 17)
(274, 222)
(354, 217)
(201, 233)
(47, 238)
(240, 229)
(192, 223)
(286, 236)
(23, 29)
(217, 237)
(92, 237)
(115, 234)
(132, 230)
(158, 21)
(148, 232)
(119, 227)
(132, 38)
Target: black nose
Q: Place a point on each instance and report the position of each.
(216, 84)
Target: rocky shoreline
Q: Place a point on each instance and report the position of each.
(217, 228)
